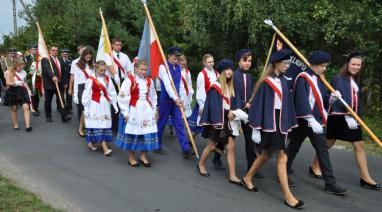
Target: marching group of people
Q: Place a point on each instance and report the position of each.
(275, 114)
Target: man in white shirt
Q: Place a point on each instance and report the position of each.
(170, 102)
(119, 65)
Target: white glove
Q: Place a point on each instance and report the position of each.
(19, 83)
(75, 99)
(352, 123)
(256, 136)
(316, 127)
(334, 96)
(116, 79)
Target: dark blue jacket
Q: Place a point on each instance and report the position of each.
(238, 77)
(213, 112)
(262, 111)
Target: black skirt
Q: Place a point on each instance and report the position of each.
(81, 89)
(16, 96)
(337, 128)
(218, 135)
(272, 141)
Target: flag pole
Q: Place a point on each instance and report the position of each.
(326, 83)
(51, 68)
(152, 27)
(266, 62)
(109, 43)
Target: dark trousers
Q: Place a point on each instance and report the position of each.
(35, 101)
(318, 141)
(48, 102)
(249, 144)
(115, 116)
(68, 101)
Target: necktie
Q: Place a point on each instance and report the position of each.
(119, 69)
(245, 87)
(58, 67)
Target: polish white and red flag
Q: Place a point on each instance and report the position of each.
(149, 51)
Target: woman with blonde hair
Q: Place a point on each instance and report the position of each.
(216, 117)
(17, 93)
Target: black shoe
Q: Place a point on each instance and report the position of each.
(133, 165)
(148, 164)
(65, 119)
(206, 174)
(299, 205)
(28, 129)
(236, 183)
(311, 172)
(160, 151)
(16, 128)
(188, 155)
(335, 189)
(259, 175)
(216, 161)
(49, 119)
(376, 186)
(35, 113)
(253, 189)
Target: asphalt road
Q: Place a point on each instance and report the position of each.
(55, 163)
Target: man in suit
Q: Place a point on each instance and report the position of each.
(66, 79)
(52, 69)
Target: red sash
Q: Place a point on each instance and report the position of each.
(185, 85)
(207, 82)
(119, 65)
(97, 87)
(316, 96)
(18, 78)
(134, 91)
(219, 90)
(85, 73)
(274, 88)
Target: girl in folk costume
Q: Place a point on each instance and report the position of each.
(97, 97)
(203, 82)
(218, 111)
(341, 125)
(187, 83)
(272, 117)
(18, 93)
(138, 101)
(81, 72)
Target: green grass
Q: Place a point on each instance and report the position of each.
(13, 198)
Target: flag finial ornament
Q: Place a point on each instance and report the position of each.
(269, 22)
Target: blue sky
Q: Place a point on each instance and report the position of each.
(6, 17)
